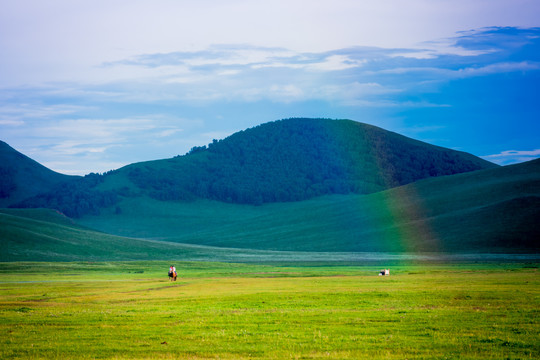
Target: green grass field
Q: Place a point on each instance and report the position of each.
(130, 310)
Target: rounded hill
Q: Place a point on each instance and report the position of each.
(297, 159)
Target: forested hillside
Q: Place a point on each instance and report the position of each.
(281, 161)
(298, 159)
(74, 198)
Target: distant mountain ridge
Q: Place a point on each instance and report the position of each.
(281, 161)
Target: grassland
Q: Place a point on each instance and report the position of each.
(129, 310)
(493, 210)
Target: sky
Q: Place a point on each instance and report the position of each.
(91, 86)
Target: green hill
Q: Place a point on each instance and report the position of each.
(22, 177)
(493, 210)
(297, 159)
(489, 211)
(45, 235)
(281, 161)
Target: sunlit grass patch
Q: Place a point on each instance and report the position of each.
(236, 311)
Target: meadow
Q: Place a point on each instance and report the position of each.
(130, 310)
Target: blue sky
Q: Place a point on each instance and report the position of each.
(92, 86)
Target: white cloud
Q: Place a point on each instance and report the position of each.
(470, 71)
(74, 147)
(102, 130)
(285, 93)
(345, 94)
(11, 122)
(168, 132)
(513, 156)
(498, 68)
(26, 110)
(78, 167)
(301, 62)
(213, 56)
(447, 46)
(354, 90)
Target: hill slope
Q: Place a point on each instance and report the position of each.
(45, 235)
(281, 161)
(494, 210)
(485, 211)
(22, 177)
(298, 159)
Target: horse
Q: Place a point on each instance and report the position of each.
(172, 275)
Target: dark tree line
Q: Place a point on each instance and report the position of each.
(74, 198)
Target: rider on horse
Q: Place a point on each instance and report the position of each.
(172, 273)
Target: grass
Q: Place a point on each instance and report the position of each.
(45, 235)
(493, 210)
(129, 310)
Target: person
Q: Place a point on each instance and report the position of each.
(172, 273)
